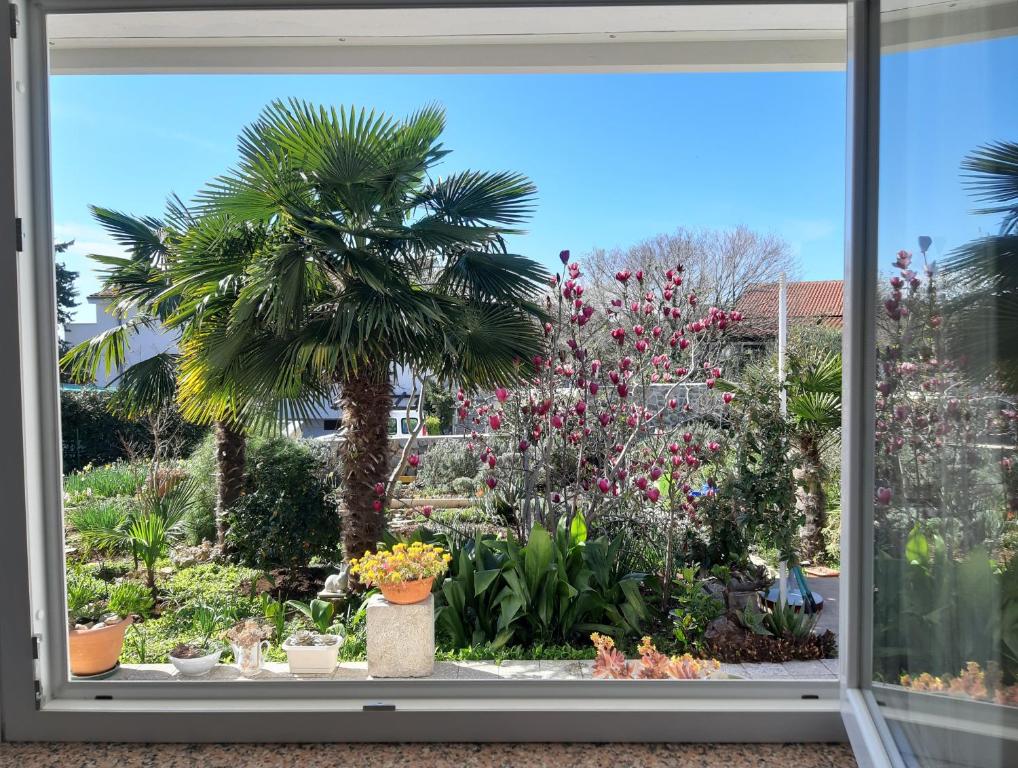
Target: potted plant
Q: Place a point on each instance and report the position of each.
(405, 573)
(198, 657)
(314, 652)
(98, 617)
(248, 640)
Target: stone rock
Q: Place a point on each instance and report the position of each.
(721, 627)
(401, 638)
(739, 601)
(715, 589)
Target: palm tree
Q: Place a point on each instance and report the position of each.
(983, 287)
(148, 294)
(371, 263)
(813, 387)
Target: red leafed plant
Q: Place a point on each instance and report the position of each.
(652, 665)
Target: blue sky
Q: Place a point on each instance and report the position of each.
(616, 158)
(937, 106)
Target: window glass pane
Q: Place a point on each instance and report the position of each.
(945, 610)
(599, 239)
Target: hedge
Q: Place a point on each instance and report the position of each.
(93, 435)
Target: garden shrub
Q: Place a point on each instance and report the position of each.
(93, 435)
(200, 520)
(445, 462)
(287, 516)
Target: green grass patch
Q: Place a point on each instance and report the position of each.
(117, 479)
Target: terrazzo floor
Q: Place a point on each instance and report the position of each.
(426, 755)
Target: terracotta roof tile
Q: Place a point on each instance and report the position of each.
(820, 302)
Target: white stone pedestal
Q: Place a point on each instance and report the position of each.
(401, 638)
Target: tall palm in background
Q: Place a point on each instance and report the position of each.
(371, 264)
(813, 391)
(983, 287)
(147, 293)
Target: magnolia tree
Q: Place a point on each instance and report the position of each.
(936, 427)
(617, 419)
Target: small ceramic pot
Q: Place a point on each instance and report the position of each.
(407, 592)
(313, 659)
(94, 651)
(248, 658)
(197, 666)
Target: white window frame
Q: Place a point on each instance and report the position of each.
(37, 702)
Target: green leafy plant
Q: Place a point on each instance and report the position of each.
(95, 520)
(754, 622)
(286, 516)
(320, 612)
(274, 612)
(129, 598)
(696, 610)
(552, 589)
(85, 594)
(784, 620)
(208, 619)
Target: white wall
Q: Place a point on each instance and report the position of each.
(143, 344)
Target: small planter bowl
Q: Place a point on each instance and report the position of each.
(407, 592)
(197, 666)
(313, 659)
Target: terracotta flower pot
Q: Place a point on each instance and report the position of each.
(407, 592)
(97, 650)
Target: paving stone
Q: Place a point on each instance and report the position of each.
(477, 670)
(563, 670)
(813, 670)
(765, 671)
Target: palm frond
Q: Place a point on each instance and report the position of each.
(107, 350)
(992, 176)
(472, 197)
(147, 386)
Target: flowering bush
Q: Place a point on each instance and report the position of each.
(404, 562)
(652, 665)
(617, 420)
(934, 425)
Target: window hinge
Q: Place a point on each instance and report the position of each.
(19, 235)
(37, 683)
(13, 12)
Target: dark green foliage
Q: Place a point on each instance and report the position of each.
(440, 402)
(696, 610)
(286, 516)
(67, 294)
(755, 500)
(553, 589)
(934, 613)
(93, 435)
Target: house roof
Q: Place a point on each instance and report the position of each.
(102, 293)
(817, 302)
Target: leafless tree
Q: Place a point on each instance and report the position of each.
(719, 263)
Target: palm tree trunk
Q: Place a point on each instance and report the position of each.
(230, 457)
(364, 452)
(812, 500)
